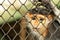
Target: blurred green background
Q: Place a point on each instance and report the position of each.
(12, 14)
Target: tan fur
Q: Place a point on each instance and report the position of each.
(42, 28)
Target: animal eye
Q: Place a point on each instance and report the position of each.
(33, 18)
(41, 20)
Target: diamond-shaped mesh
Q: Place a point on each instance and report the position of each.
(29, 20)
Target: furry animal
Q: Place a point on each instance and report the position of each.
(38, 23)
(34, 26)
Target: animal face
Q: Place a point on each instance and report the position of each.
(39, 22)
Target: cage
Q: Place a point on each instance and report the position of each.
(29, 19)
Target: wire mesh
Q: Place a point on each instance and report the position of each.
(28, 20)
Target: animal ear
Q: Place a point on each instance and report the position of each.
(29, 14)
(50, 17)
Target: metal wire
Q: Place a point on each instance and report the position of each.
(13, 20)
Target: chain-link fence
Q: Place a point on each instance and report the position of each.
(28, 20)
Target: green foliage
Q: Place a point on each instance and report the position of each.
(57, 3)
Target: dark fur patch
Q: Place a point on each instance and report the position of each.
(40, 11)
